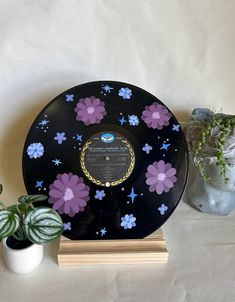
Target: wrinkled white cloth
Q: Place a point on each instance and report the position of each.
(182, 51)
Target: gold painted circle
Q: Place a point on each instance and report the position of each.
(107, 182)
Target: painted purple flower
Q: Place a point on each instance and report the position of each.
(147, 148)
(99, 194)
(156, 116)
(68, 194)
(60, 137)
(160, 177)
(90, 110)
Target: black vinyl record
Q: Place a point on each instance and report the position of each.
(111, 157)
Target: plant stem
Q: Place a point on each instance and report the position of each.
(225, 125)
(3, 205)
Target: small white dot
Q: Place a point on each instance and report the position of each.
(74, 147)
(47, 127)
(45, 131)
(158, 137)
(107, 184)
(128, 202)
(39, 189)
(79, 144)
(121, 113)
(44, 189)
(41, 127)
(167, 139)
(45, 115)
(164, 142)
(97, 233)
(164, 155)
(79, 149)
(122, 189)
(176, 150)
(141, 194)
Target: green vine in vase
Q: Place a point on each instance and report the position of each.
(225, 125)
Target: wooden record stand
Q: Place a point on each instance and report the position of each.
(151, 249)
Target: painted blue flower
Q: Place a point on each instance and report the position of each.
(133, 120)
(60, 137)
(125, 93)
(128, 221)
(162, 209)
(69, 97)
(176, 128)
(67, 226)
(99, 194)
(147, 148)
(35, 150)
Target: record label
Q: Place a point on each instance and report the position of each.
(107, 159)
(112, 159)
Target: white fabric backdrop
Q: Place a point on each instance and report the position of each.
(182, 51)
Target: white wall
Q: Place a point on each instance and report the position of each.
(183, 51)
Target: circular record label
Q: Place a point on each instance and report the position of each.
(107, 159)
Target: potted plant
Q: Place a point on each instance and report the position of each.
(211, 140)
(23, 230)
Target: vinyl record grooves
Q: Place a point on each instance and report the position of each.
(111, 157)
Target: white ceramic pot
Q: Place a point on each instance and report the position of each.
(24, 260)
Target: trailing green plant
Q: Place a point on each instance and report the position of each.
(23, 221)
(224, 124)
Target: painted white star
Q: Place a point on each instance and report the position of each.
(43, 122)
(103, 232)
(57, 162)
(107, 88)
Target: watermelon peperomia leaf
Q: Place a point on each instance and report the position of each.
(9, 223)
(31, 198)
(23, 221)
(42, 225)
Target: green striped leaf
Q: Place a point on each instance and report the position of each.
(31, 198)
(42, 225)
(9, 223)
